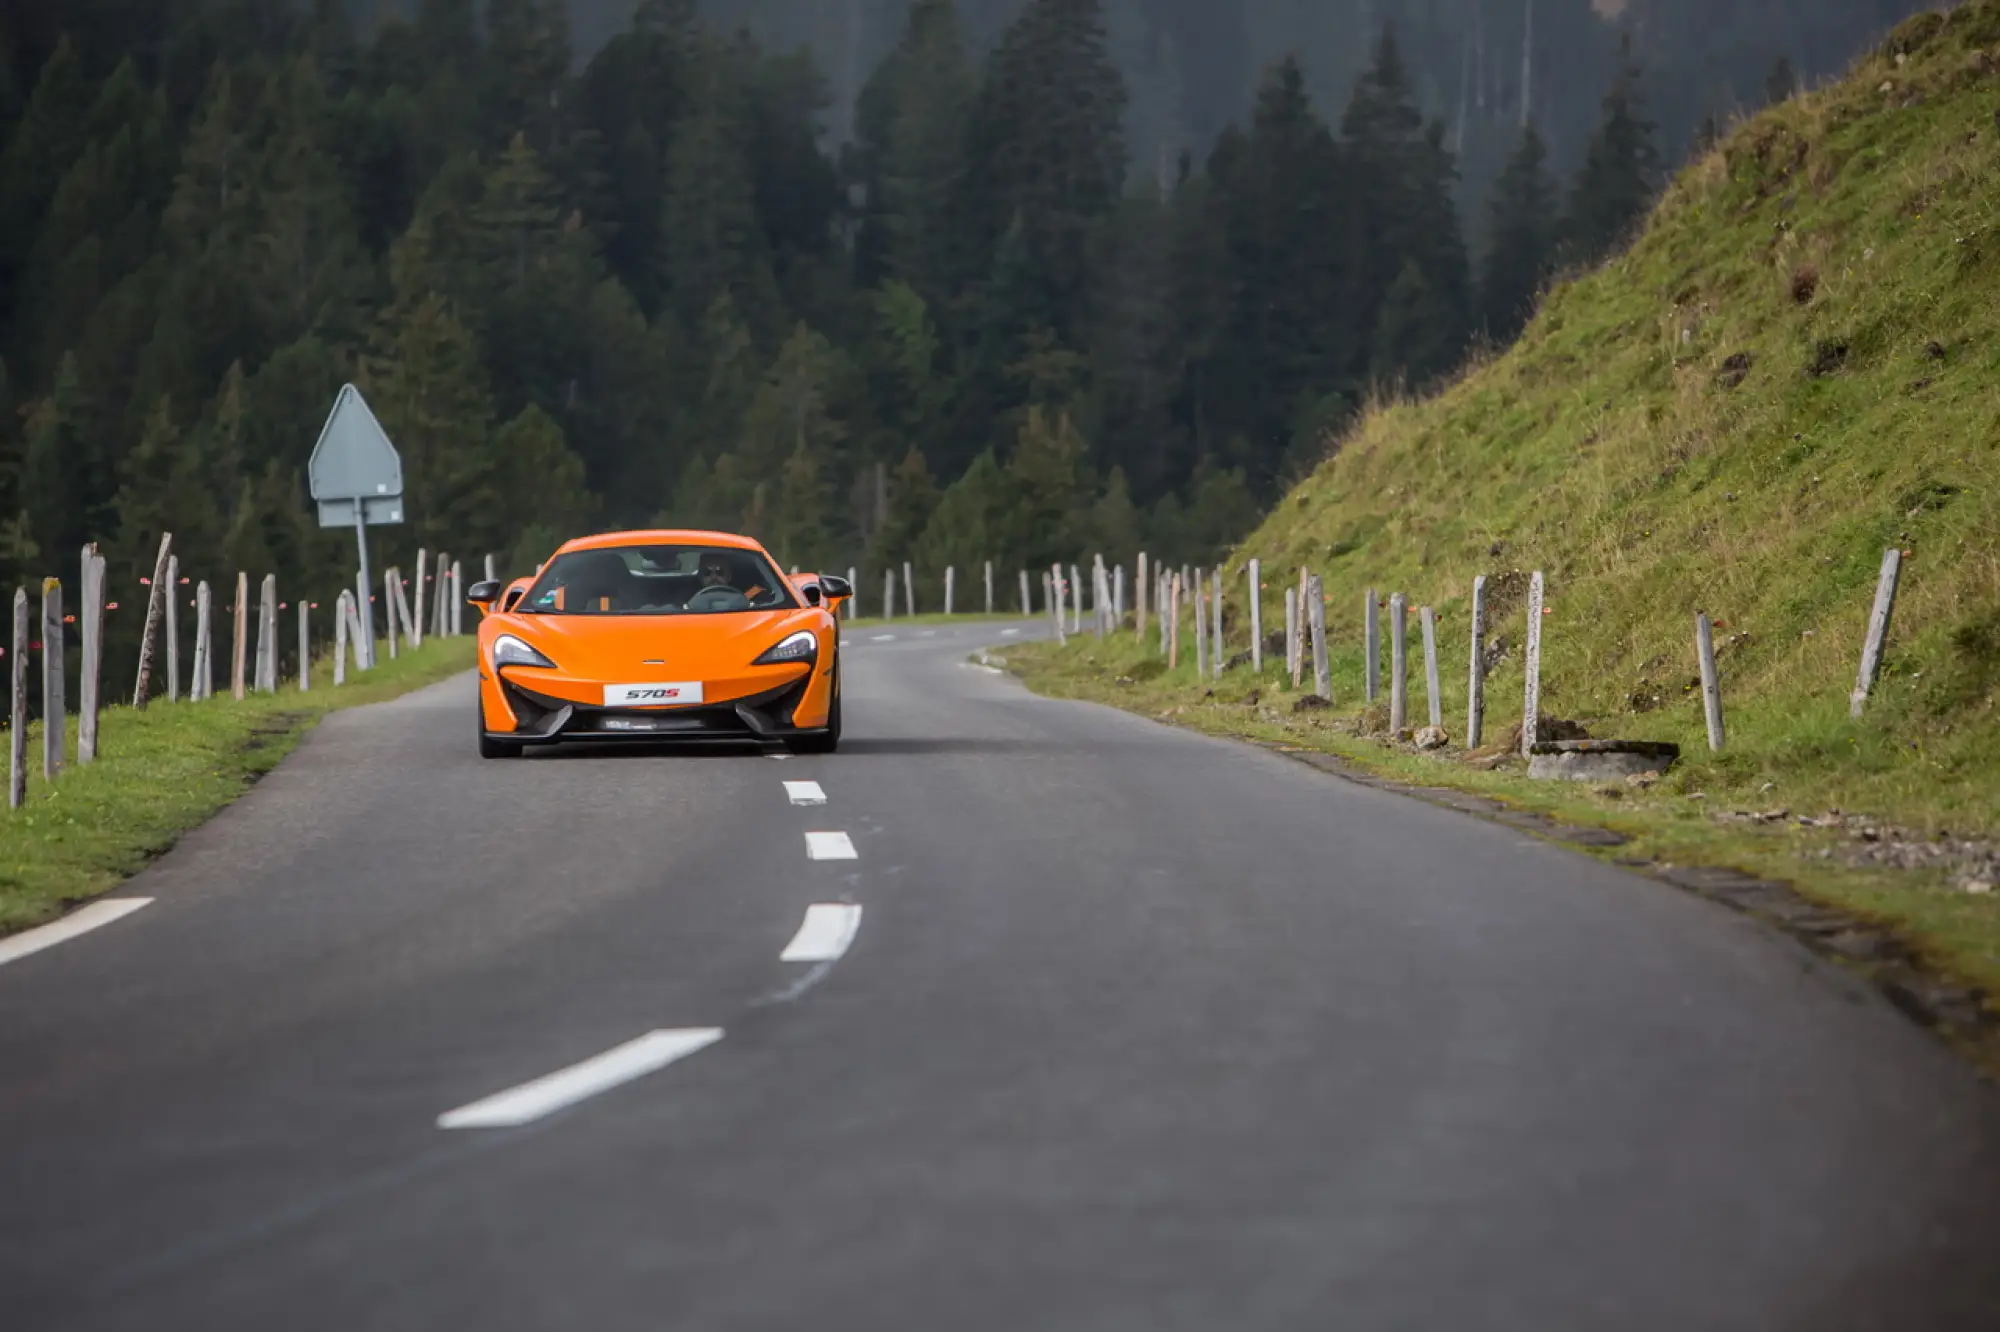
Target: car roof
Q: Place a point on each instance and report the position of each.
(661, 537)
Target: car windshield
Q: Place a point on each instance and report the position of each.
(657, 580)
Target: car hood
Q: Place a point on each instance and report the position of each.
(621, 644)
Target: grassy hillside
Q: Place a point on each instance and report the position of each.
(1797, 365)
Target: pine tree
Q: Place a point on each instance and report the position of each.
(1053, 489)
(429, 389)
(711, 241)
(1521, 239)
(1620, 174)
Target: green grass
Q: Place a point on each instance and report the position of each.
(1796, 366)
(164, 771)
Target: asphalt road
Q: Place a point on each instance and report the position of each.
(1137, 1031)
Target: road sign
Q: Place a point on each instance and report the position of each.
(356, 474)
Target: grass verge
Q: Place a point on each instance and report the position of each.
(167, 770)
(1899, 916)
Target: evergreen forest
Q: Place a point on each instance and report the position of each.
(1034, 281)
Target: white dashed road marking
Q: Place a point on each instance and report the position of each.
(828, 930)
(81, 921)
(830, 846)
(565, 1087)
(1009, 633)
(883, 638)
(805, 793)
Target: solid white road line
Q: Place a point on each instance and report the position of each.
(81, 921)
(600, 1073)
(830, 846)
(828, 929)
(805, 793)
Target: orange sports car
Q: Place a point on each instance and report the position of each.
(660, 636)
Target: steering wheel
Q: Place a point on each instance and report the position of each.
(718, 599)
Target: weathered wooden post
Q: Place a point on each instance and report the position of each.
(340, 614)
(888, 594)
(1292, 634)
(173, 627)
(305, 646)
(1475, 684)
(989, 589)
(1371, 647)
(1027, 598)
(1173, 622)
(1118, 597)
(854, 594)
(1200, 623)
(950, 588)
(440, 619)
(1099, 597)
(389, 611)
(1711, 685)
(1255, 573)
(423, 587)
(909, 590)
(1429, 619)
(458, 598)
(55, 713)
(152, 630)
(17, 705)
(1304, 646)
(1531, 700)
(1215, 607)
(1055, 600)
(1140, 589)
(240, 646)
(1316, 614)
(260, 673)
(90, 676)
(1878, 630)
(1399, 663)
(491, 576)
(202, 687)
(1076, 599)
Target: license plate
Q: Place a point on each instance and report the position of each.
(651, 695)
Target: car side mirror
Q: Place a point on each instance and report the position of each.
(483, 594)
(835, 587)
(813, 595)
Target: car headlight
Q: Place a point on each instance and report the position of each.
(511, 651)
(801, 646)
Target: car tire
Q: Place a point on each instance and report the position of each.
(827, 741)
(489, 748)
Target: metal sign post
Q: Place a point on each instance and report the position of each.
(357, 480)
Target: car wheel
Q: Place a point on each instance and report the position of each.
(489, 748)
(827, 741)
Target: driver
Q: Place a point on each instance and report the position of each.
(718, 570)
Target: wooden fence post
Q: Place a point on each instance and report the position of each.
(305, 646)
(390, 612)
(1429, 620)
(1371, 647)
(457, 597)
(1200, 623)
(1399, 663)
(989, 589)
(888, 594)
(1075, 600)
(410, 634)
(264, 679)
(202, 686)
(1255, 574)
(340, 639)
(55, 714)
(1475, 684)
(1531, 700)
(173, 626)
(1316, 615)
(950, 588)
(1140, 591)
(1172, 623)
(441, 594)
(491, 575)
(1027, 601)
(1118, 597)
(90, 676)
(423, 583)
(240, 645)
(1303, 648)
(1711, 685)
(1055, 600)
(1215, 606)
(1878, 631)
(909, 590)
(1292, 634)
(17, 705)
(152, 630)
